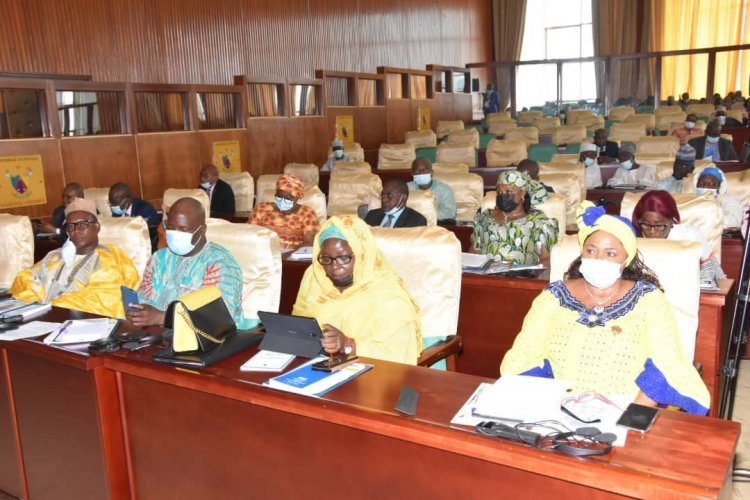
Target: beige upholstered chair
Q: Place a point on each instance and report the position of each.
(439, 168)
(547, 124)
(425, 203)
(676, 264)
(501, 127)
(568, 134)
(576, 169)
(619, 113)
(592, 123)
(354, 151)
(630, 132)
(346, 192)
(665, 120)
(445, 127)
(468, 190)
(734, 113)
(739, 185)
(664, 169)
(243, 188)
(434, 283)
(529, 135)
(700, 109)
(16, 246)
(646, 119)
(308, 172)
(467, 135)
(498, 116)
(665, 145)
(576, 116)
(352, 167)
(456, 152)
(555, 207)
(396, 156)
(313, 198)
(501, 153)
(258, 253)
(700, 211)
(567, 183)
(130, 235)
(565, 158)
(528, 117)
(171, 195)
(265, 183)
(421, 138)
(101, 199)
(654, 158)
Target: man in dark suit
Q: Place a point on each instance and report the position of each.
(219, 192)
(712, 145)
(124, 204)
(394, 212)
(607, 151)
(72, 190)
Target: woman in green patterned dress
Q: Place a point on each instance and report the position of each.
(513, 231)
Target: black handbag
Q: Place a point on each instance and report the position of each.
(200, 321)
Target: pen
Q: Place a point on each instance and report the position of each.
(62, 329)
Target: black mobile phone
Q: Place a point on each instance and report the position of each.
(334, 362)
(638, 417)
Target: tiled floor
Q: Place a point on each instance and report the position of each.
(742, 415)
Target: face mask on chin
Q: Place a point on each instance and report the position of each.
(395, 208)
(712, 139)
(600, 274)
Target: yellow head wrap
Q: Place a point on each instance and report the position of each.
(591, 219)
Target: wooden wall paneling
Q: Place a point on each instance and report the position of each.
(100, 161)
(442, 108)
(206, 139)
(309, 139)
(424, 103)
(268, 144)
(333, 111)
(399, 119)
(462, 107)
(11, 475)
(54, 179)
(168, 160)
(373, 130)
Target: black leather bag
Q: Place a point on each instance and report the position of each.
(200, 321)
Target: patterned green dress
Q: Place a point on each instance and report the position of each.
(518, 241)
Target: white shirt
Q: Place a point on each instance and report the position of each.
(644, 175)
(593, 176)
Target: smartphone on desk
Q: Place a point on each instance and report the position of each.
(638, 417)
(129, 297)
(334, 362)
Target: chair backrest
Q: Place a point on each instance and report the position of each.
(468, 190)
(308, 172)
(313, 198)
(568, 134)
(346, 192)
(396, 156)
(619, 113)
(669, 110)
(129, 234)
(574, 116)
(736, 114)
(630, 132)
(592, 123)
(171, 195)
(529, 135)
(352, 167)
(547, 124)
(467, 135)
(243, 189)
(425, 203)
(567, 183)
(445, 167)
(542, 152)
(500, 127)
(100, 196)
(444, 127)
(528, 117)
(502, 153)
(16, 246)
(456, 152)
(738, 185)
(700, 211)
(647, 119)
(258, 252)
(265, 183)
(498, 116)
(421, 138)
(565, 158)
(667, 145)
(554, 207)
(676, 264)
(435, 282)
(700, 109)
(664, 121)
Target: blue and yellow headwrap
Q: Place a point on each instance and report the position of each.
(591, 219)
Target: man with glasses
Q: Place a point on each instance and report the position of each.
(82, 275)
(393, 211)
(122, 203)
(190, 262)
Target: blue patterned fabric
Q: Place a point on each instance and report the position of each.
(654, 384)
(544, 371)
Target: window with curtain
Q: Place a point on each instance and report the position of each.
(306, 102)
(160, 111)
(89, 113)
(264, 99)
(218, 110)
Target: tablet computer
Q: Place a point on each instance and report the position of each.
(289, 334)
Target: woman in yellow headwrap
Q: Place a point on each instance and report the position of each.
(608, 327)
(362, 306)
(295, 224)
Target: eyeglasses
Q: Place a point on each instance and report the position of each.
(656, 227)
(79, 226)
(341, 260)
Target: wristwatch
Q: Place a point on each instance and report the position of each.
(348, 346)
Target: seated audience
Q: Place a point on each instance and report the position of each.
(189, 262)
(713, 182)
(656, 216)
(82, 275)
(362, 306)
(726, 121)
(593, 172)
(219, 192)
(393, 211)
(632, 172)
(295, 224)
(338, 155)
(514, 231)
(124, 204)
(531, 168)
(607, 151)
(421, 171)
(607, 327)
(684, 164)
(688, 130)
(712, 145)
(57, 225)
(684, 100)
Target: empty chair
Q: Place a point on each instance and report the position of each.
(592, 123)
(542, 152)
(629, 132)
(547, 124)
(101, 199)
(352, 167)
(444, 127)
(439, 168)
(421, 138)
(456, 152)
(529, 135)
(243, 188)
(568, 134)
(665, 120)
(502, 153)
(700, 109)
(17, 246)
(500, 127)
(171, 195)
(739, 186)
(647, 119)
(565, 158)
(308, 172)
(619, 113)
(468, 190)
(346, 192)
(569, 182)
(467, 135)
(129, 234)
(529, 117)
(396, 156)
(266, 183)
(667, 145)
(577, 116)
(499, 115)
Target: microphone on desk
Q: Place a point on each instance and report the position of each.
(603, 202)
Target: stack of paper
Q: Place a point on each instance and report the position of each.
(267, 361)
(522, 398)
(21, 310)
(29, 330)
(304, 380)
(302, 253)
(82, 331)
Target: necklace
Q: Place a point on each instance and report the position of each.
(599, 307)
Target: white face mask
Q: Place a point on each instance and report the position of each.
(711, 191)
(722, 120)
(689, 125)
(68, 252)
(627, 164)
(600, 274)
(205, 185)
(423, 179)
(396, 207)
(180, 243)
(711, 139)
(338, 153)
(588, 161)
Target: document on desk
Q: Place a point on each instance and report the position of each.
(82, 331)
(522, 398)
(306, 381)
(30, 330)
(302, 253)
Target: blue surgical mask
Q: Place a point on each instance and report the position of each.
(711, 139)
(423, 179)
(627, 164)
(338, 153)
(205, 185)
(283, 204)
(117, 210)
(712, 192)
(588, 161)
(180, 243)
